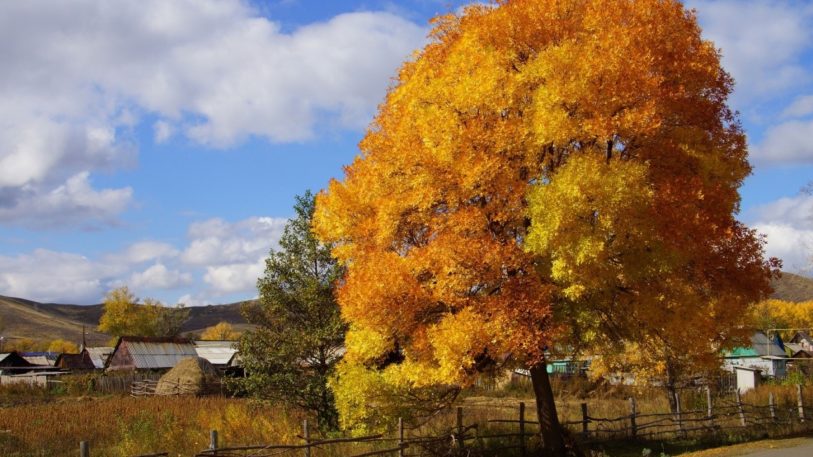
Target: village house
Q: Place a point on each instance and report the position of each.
(75, 362)
(153, 354)
(43, 359)
(221, 354)
(99, 355)
(764, 354)
(13, 363)
(801, 341)
(800, 350)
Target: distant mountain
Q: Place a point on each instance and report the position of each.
(792, 287)
(21, 318)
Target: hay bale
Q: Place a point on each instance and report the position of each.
(191, 376)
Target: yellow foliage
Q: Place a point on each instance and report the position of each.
(780, 314)
(125, 316)
(222, 331)
(62, 346)
(545, 173)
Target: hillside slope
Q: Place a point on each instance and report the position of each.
(23, 318)
(28, 319)
(792, 287)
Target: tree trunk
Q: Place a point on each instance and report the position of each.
(671, 387)
(553, 443)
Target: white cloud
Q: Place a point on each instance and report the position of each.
(221, 258)
(50, 276)
(793, 245)
(162, 131)
(232, 253)
(761, 41)
(193, 300)
(788, 225)
(217, 242)
(766, 46)
(74, 203)
(145, 251)
(76, 74)
(789, 142)
(236, 277)
(801, 107)
(159, 277)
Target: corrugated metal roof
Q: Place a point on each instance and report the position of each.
(40, 358)
(766, 347)
(99, 355)
(761, 346)
(159, 354)
(216, 352)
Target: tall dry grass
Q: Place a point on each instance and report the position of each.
(47, 425)
(126, 426)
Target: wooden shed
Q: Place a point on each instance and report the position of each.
(75, 362)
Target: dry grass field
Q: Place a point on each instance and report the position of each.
(126, 426)
(37, 423)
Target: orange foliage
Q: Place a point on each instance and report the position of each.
(467, 224)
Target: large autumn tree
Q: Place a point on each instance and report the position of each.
(543, 174)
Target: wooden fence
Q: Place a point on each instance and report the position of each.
(514, 430)
(122, 383)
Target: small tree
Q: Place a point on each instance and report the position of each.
(223, 331)
(125, 316)
(299, 336)
(63, 347)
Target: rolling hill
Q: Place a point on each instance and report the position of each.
(23, 318)
(792, 287)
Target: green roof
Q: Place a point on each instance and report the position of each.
(741, 352)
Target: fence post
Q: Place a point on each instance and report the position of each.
(633, 420)
(306, 435)
(709, 411)
(460, 444)
(739, 407)
(522, 428)
(84, 449)
(213, 441)
(585, 419)
(801, 404)
(679, 416)
(400, 437)
(772, 406)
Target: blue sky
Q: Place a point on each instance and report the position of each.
(159, 144)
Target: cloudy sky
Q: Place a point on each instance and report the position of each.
(159, 144)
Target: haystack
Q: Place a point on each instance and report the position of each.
(191, 376)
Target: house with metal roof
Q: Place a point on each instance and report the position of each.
(142, 353)
(43, 359)
(803, 341)
(99, 355)
(219, 353)
(75, 362)
(765, 354)
(13, 363)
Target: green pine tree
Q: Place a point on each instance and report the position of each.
(299, 337)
